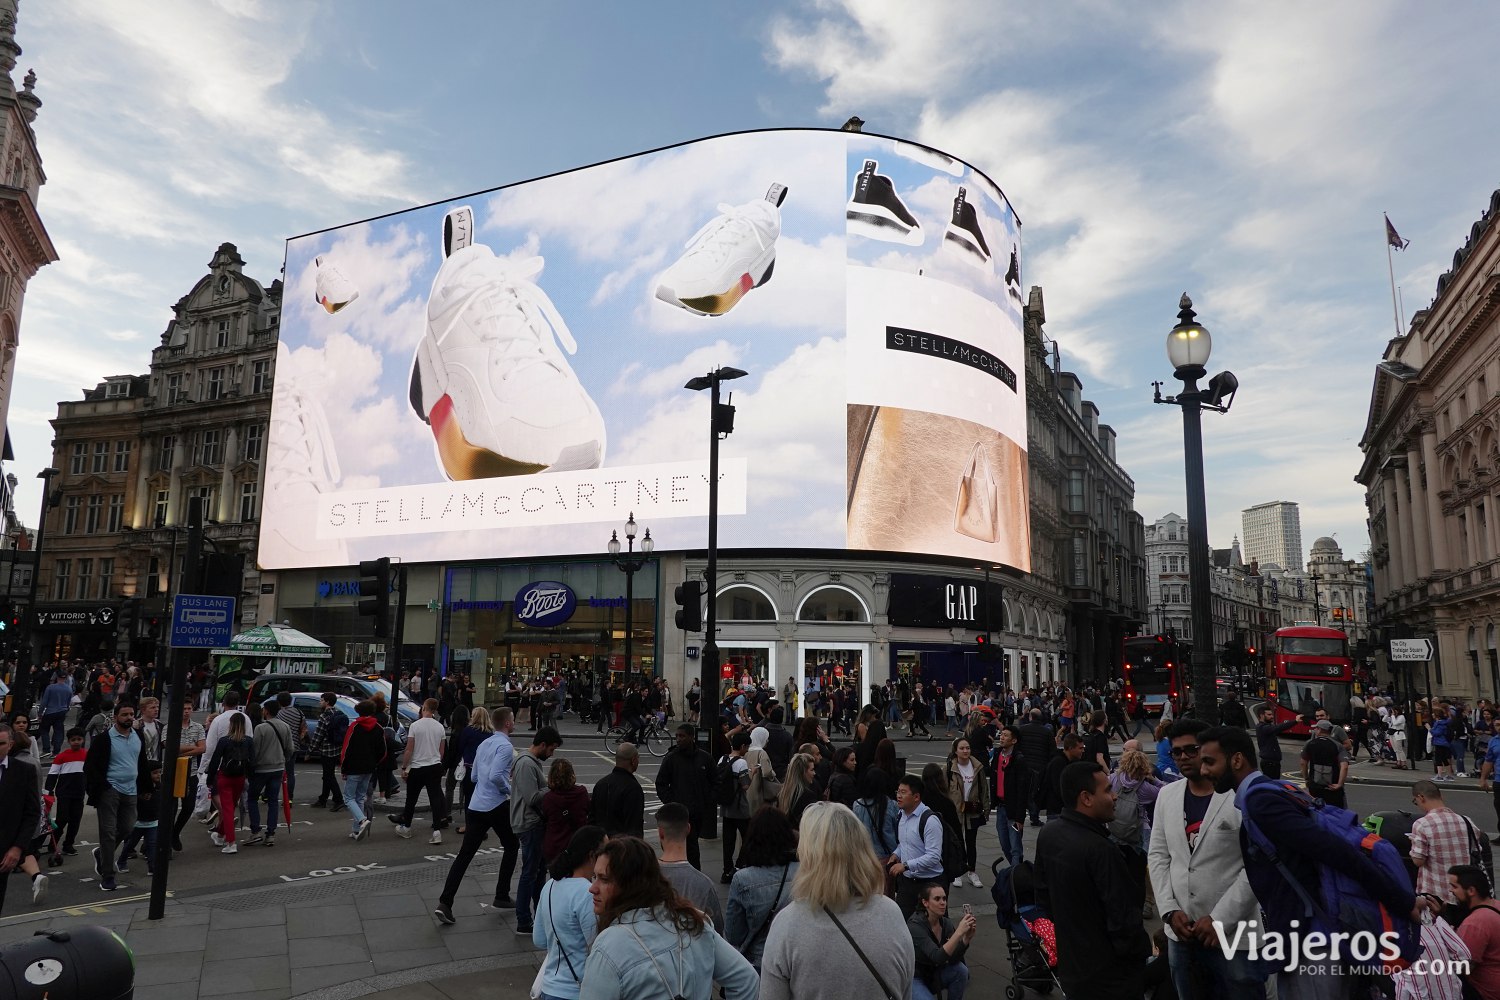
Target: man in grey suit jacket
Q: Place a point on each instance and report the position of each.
(1198, 875)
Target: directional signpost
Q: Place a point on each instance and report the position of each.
(201, 621)
(1411, 650)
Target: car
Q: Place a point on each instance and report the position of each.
(270, 685)
(310, 704)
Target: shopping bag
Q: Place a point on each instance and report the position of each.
(978, 508)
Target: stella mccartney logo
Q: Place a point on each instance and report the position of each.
(937, 346)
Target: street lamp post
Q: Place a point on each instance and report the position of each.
(1188, 348)
(21, 695)
(721, 423)
(1161, 617)
(629, 565)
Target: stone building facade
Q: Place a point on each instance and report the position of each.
(135, 449)
(1431, 474)
(25, 246)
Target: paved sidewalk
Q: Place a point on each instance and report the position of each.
(370, 934)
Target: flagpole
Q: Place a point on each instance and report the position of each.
(1391, 270)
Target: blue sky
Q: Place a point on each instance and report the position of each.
(1243, 153)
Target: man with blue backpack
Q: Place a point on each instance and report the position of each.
(1320, 879)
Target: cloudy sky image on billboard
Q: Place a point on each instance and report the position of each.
(491, 375)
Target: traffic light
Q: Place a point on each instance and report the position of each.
(987, 650)
(375, 593)
(4, 616)
(689, 594)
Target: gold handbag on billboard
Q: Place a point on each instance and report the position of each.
(978, 511)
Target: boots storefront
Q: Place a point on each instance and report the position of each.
(531, 619)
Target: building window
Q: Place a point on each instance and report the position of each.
(122, 455)
(1075, 491)
(260, 375)
(212, 451)
(832, 604)
(247, 502)
(115, 389)
(70, 514)
(174, 388)
(95, 515)
(153, 578)
(744, 604)
(159, 508)
(101, 456)
(116, 512)
(254, 438)
(106, 578)
(221, 334)
(79, 464)
(167, 452)
(60, 574)
(214, 386)
(1080, 561)
(85, 578)
(1164, 564)
(206, 494)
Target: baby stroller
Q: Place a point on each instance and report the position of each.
(48, 836)
(1028, 931)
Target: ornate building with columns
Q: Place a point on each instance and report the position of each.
(1431, 457)
(136, 448)
(24, 244)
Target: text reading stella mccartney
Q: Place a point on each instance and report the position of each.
(532, 500)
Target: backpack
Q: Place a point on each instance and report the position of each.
(236, 758)
(1347, 905)
(338, 725)
(1481, 855)
(955, 861)
(1126, 826)
(726, 782)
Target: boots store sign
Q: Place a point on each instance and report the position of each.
(102, 616)
(871, 287)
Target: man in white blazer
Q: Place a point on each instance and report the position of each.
(1198, 875)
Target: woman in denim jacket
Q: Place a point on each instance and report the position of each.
(565, 921)
(763, 885)
(653, 944)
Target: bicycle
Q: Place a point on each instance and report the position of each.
(656, 739)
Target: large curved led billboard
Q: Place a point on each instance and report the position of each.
(502, 374)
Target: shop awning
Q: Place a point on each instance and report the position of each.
(276, 640)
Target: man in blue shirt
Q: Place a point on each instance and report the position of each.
(1489, 763)
(918, 859)
(111, 773)
(489, 809)
(54, 708)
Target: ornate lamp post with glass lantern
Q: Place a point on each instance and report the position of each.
(1188, 348)
(628, 564)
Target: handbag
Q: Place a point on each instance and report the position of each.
(461, 772)
(904, 469)
(977, 513)
(889, 995)
(536, 984)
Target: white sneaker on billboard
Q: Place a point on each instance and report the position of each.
(734, 252)
(301, 464)
(489, 376)
(334, 289)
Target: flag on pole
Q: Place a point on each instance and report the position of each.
(1394, 238)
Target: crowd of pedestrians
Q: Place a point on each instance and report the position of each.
(839, 860)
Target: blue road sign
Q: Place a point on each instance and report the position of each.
(201, 621)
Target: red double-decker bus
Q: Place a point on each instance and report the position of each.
(1308, 667)
(1155, 670)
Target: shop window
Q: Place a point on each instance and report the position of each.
(744, 604)
(833, 604)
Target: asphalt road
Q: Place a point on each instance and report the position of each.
(317, 844)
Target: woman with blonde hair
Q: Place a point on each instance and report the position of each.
(800, 789)
(839, 936)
